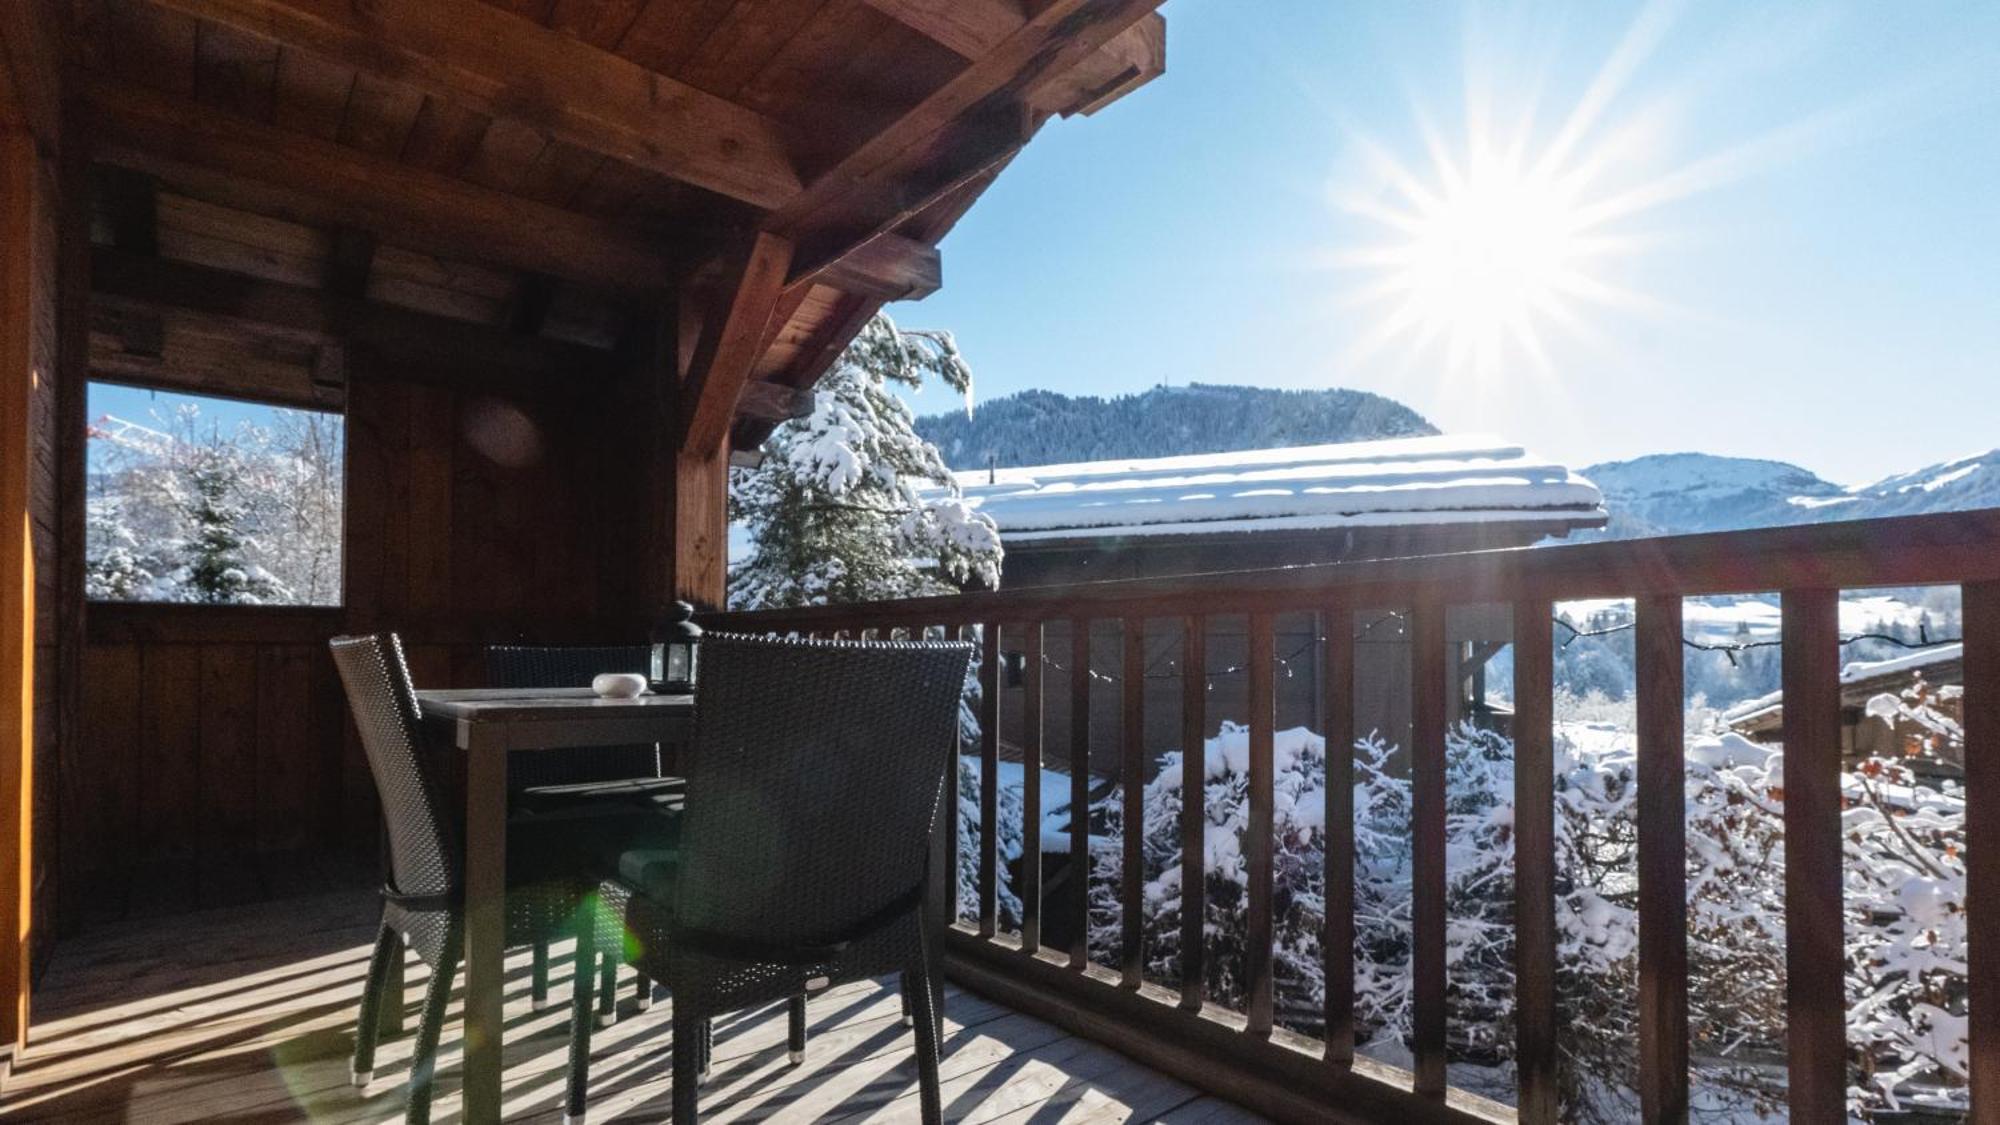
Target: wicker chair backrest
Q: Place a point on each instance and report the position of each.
(813, 783)
(422, 858)
(570, 666)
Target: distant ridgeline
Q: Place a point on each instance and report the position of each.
(1046, 428)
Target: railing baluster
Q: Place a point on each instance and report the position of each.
(1534, 863)
(1982, 841)
(1132, 782)
(989, 779)
(1079, 791)
(945, 633)
(1662, 811)
(1257, 968)
(1031, 788)
(1815, 998)
(1427, 870)
(1337, 943)
(1194, 807)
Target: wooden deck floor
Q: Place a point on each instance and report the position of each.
(247, 1015)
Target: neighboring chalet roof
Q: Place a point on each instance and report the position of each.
(1398, 483)
(1860, 681)
(510, 186)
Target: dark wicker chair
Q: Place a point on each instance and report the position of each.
(615, 796)
(813, 789)
(422, 900)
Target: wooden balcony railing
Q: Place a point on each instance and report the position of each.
(1244, 1055)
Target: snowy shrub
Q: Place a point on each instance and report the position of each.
(1905, 895)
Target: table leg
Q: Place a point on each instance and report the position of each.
(485, 929)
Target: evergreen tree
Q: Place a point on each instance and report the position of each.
(214, 546)
(839, 510)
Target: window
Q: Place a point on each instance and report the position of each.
(197, 499)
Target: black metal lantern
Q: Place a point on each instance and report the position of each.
(675, 652)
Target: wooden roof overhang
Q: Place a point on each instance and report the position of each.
(507, 187)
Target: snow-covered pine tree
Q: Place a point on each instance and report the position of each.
(838, 512)
(214, 549)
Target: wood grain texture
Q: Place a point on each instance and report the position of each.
(1428, 671)
(1131, 776)
(1337, 944)
(1079, 789)
(1815, 997)
(1662, 813)
(989, 777)
(1258, 959)
(306, 179)
(1194, 811)
(732, 338)
(1982, 840)
(1031, 786)
(468, 52)
(1535, 864)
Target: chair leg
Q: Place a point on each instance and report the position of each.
(796, 1035)
(580, 1024)
(388, 946)
(395, 998)
(423, 1060)
(642, 989)
(538, 978)
(923, 997)
(909, 1014)
(687, 1065)
(707, 1048)
(607, 992)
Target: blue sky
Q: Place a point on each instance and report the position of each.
(1793, 245)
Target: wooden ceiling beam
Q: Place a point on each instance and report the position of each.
(732, 340)
(121, 280)
(971, 28)
(892, 268)
(968, 28)
(1131, 59)
(969, 125)
(294, 176)
(482, 58)
(839, 329)
(30, 71)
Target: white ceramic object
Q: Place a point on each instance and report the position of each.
(619, 685)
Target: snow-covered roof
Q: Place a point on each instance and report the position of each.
(1450, 479)
(1853, 672)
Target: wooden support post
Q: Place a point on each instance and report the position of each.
(1815, 991)
(17, 584)
(1982, 842)
(989, 777)
(1079, 791)
(1194, 811)
(1132, 791)
(1663, 1019)
(1338, 942)
(1428, 672)
(1258, 958)
(1031, 788)
(1534, 863)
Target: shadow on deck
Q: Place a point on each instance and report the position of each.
(247, 1015)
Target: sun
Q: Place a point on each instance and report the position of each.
(1485, 258)
(1482, 258)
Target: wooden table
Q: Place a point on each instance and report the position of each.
(486, 724)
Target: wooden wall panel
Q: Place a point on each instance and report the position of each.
(220, 735)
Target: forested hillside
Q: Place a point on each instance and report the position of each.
(1044, 427)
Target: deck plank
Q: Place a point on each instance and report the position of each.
(246, 1014)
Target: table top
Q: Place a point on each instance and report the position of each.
(553, 718)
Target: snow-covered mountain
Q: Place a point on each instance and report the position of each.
(1673, 493)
